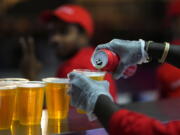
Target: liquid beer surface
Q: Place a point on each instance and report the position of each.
(7, 98)
(30, 100)
(57, 98)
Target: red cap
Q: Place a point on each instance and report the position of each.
(72, 14)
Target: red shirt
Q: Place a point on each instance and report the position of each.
(169, 79)
(126, 122)
(82, 60)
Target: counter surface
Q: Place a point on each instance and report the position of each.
(78, 124)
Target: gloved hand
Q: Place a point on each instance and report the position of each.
(130, 53)
(84, 91)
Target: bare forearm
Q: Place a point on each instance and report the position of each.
(155, 52)
(104, 109)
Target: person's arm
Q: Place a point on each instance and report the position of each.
(104, 103)
(93, 97)
(120, 121)
(155, 52)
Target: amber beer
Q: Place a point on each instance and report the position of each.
(93, 74)
(30, 97)
(57, 99)
(7, 98)
(15, 81)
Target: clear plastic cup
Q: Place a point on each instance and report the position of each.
(30, 97)
(7, 104)
(57, 99)
(15, 81)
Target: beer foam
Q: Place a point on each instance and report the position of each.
(90, 73)
(13, 79)
(8, 87)
(31, 85)
(56, 80)
(12, 82)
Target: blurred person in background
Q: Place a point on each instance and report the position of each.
(168, 76)
(71, 28)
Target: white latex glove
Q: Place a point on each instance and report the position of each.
(84, 91)
(130, 53)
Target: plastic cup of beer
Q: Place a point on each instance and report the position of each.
(15, 81)
(30, 97)
(93, 74)
(7, 98)
(57, 99)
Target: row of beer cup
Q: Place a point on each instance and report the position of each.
(22, 100)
